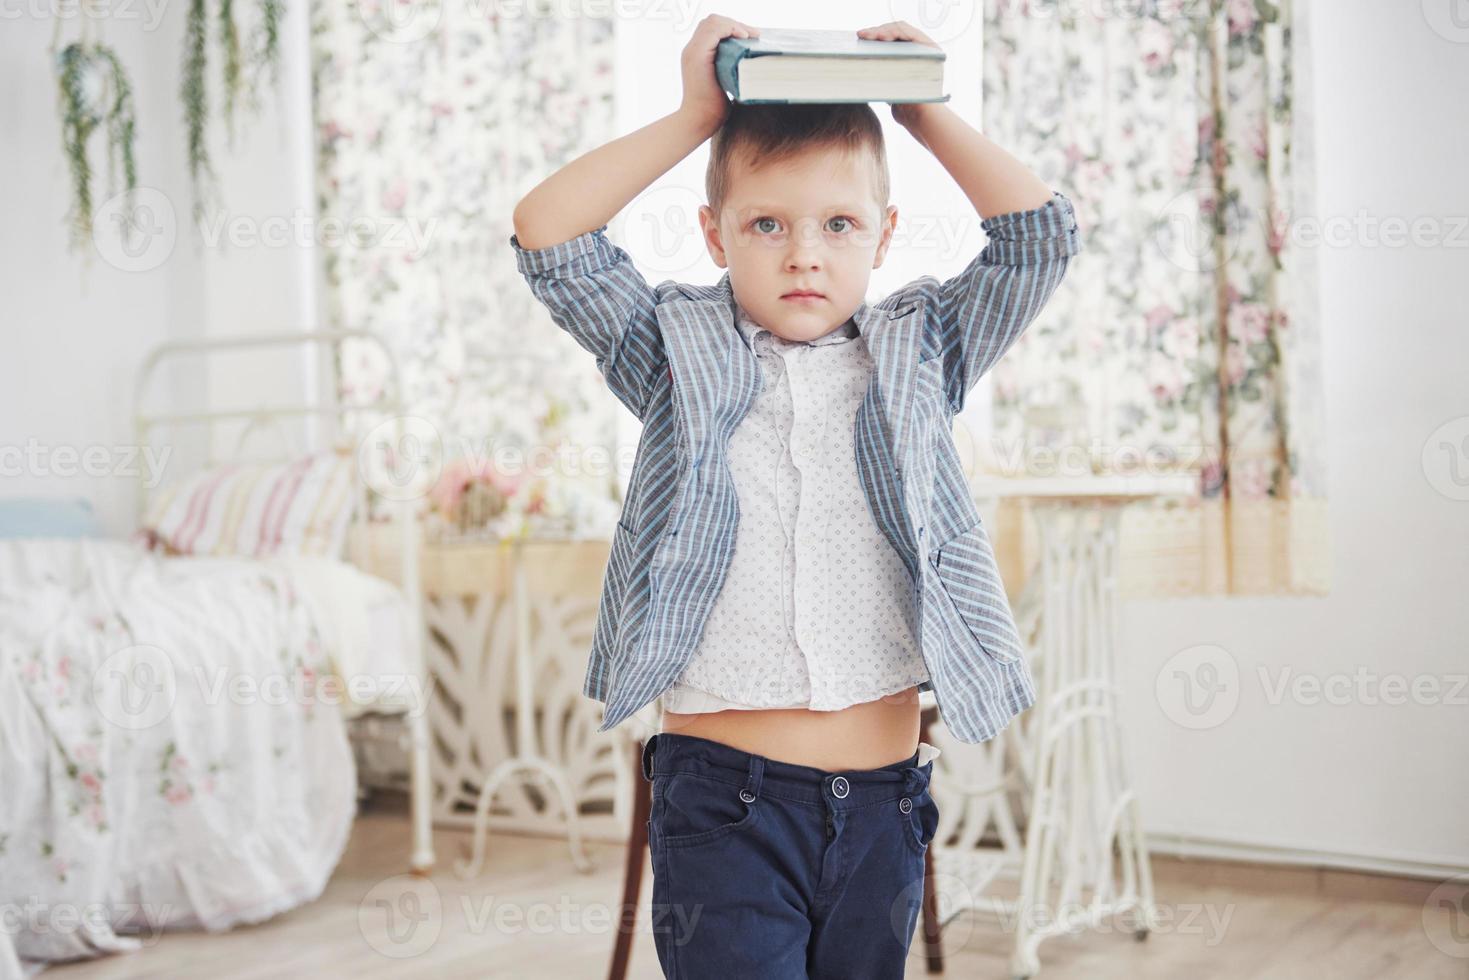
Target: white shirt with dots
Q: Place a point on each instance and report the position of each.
(812, 612)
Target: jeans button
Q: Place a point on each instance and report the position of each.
(839, 787)
(747, 796)
(905, 804)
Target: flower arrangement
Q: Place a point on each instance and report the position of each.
(474, 499)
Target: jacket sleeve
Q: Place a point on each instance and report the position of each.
(981, 312)
(593, 292)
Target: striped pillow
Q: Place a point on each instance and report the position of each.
(299, 507)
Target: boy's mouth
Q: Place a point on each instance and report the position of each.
(803, 295)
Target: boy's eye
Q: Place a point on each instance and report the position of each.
(839, 225)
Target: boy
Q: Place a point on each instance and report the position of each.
(798, 555)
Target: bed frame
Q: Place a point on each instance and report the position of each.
(320, 425)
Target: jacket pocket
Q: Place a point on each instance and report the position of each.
(619, 561)
(617, 579)
(970, 583)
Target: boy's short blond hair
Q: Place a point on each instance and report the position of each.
(768, 133)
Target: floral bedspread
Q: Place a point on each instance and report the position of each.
(165, 759)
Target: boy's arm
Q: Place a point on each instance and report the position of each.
(589, 285)
(1032, 232)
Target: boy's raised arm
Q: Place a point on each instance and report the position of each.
(590, 190)
(1032, 232)
(589, 285)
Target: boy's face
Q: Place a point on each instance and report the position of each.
(810, 223)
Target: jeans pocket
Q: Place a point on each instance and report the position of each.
(690, 810)
(921, 819)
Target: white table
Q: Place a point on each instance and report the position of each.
(1065, 756)
(525, 761)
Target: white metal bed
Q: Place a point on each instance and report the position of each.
(387, 408)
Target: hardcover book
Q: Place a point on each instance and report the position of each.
(790, 65)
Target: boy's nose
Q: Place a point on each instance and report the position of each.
(803, 255)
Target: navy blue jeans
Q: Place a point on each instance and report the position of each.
(771, 870)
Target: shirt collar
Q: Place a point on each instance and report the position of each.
(752, 330)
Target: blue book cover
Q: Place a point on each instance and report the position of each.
(790, 42)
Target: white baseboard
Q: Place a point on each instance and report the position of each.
(1194, 846)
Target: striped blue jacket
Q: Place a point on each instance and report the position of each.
(673, 355)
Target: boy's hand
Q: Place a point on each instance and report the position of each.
(703, 99)
(904, 113)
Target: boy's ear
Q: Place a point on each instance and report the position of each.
(709, 225)
(889, 224)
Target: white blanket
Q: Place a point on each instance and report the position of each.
(165, 760)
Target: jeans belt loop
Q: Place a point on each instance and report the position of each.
(757, 775)
(914, 779)
(648, 756)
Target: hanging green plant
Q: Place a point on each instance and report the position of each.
(268, 41)
(193, 88)
(94, 91)
(193, 91)
(229, 42)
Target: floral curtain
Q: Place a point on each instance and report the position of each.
(432, 119)
(1185, 337)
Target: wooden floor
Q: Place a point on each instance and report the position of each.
(530, 915)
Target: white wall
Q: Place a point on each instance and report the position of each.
(68, 335)
(1364, 785)
(1355, 780)
(74, 327)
